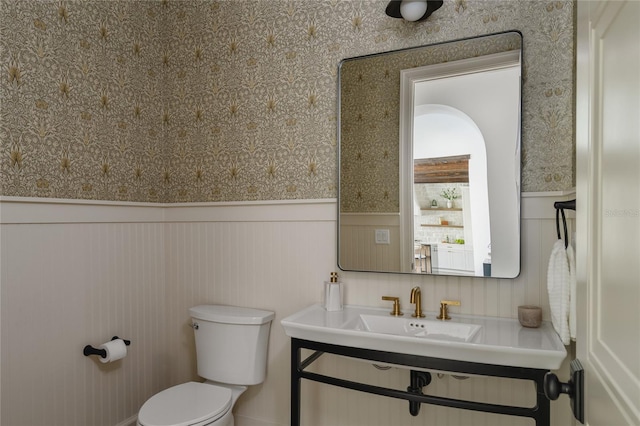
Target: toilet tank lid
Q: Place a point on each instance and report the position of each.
(231, 314)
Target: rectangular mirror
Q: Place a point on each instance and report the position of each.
(429, 159)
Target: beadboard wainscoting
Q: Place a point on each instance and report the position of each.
(358, 248)
(74, 273)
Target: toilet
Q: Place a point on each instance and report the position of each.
(231, 354)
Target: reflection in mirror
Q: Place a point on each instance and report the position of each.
(429, 165)
(460, 177)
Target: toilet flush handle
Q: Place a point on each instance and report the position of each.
(195, 325)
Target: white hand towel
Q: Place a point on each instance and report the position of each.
(559, 291)
(572, 291)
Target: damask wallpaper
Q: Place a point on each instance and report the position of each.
(202, 100)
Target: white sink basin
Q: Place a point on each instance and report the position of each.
(420, 328)
(486, 340)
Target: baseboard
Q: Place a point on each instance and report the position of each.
(131, 421)
(250, 421)
(239, 421)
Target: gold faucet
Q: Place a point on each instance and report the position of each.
(444, 314)
(396, 305)
(417, 299)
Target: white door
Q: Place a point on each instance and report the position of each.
(608, 209)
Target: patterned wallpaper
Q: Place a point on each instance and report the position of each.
(185, 101)
(82, 95)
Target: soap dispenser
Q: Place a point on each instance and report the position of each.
(333, 293)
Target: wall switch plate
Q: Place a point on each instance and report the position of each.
(382, 236)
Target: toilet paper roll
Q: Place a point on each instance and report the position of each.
(116, 349)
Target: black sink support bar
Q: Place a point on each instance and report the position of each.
(540, 412)
(312, 358)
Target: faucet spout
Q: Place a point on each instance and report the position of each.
(416, 297)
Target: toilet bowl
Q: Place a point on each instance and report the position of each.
(231, 351)
(191, 404)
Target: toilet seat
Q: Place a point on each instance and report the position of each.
(188, 404)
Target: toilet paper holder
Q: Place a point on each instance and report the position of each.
(90, 350)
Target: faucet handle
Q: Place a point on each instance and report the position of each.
(444, 314)
(396, 305)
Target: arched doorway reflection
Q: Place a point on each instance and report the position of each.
(442, 132)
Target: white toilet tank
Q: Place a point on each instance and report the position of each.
(231, 343)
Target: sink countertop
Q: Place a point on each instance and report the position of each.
(500, 341)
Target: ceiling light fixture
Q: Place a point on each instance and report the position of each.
(412, 10)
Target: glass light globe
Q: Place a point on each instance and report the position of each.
(412, 10)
